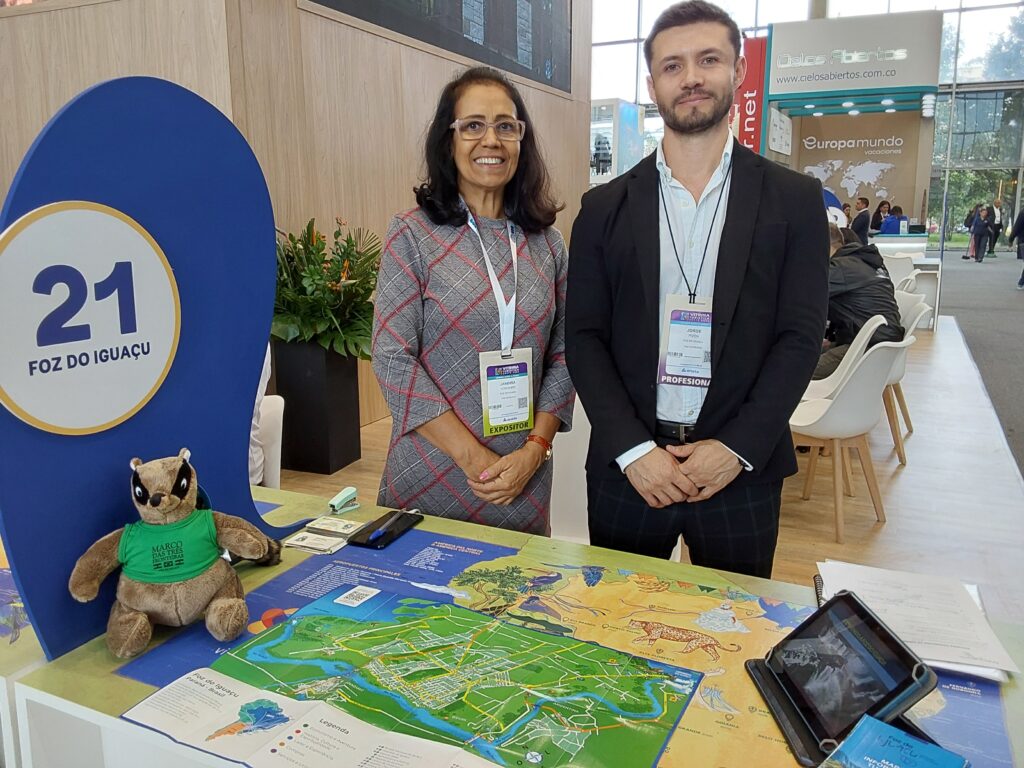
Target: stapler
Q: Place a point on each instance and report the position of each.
(345, 501)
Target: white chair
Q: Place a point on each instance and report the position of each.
(899, 266)
(899, 370)
(825, 387)
(908, 283)
(271, 418)
(844, 421)
(906, 302)
(894, 391)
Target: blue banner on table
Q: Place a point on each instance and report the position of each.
(137, 270)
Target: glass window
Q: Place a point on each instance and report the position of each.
(837, 8)
(987, 128)
(743, 12)
(947, 52)
(990, 45)
(941, 130)
(899, 6)
(774, 11)
(615, 20)
(613, 71)
(985, 3)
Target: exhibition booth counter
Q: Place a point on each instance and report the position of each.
(583, 600)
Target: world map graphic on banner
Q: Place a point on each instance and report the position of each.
(851, 177)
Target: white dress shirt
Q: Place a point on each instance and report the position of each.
(692, 223)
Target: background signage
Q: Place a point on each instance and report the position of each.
(857, 53)
(748, 112)
(137, 241)
(91, 315)
(874, 156)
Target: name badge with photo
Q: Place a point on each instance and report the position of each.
(685, 358)
(506, 390)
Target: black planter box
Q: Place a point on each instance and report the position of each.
(321, 415)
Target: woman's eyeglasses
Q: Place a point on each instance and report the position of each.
(473, 128)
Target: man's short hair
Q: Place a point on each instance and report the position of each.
(896, 211)
(849, 236)
(835, 237)
(691, 12)
(867, 203)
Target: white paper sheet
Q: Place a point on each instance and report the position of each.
(934, 615)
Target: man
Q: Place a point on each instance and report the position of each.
(995, 224)
(861, 219)
(714, 256)
(858, 289)
(1017, 233)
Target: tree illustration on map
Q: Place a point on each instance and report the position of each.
(253, 716)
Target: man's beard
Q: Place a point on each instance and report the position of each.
(696, 121)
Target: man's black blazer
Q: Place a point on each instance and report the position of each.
(860, 225)
(770, 302)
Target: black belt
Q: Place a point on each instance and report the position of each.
(673, 430)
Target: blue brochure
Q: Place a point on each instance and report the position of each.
(874, 744)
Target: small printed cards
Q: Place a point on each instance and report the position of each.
(316, 543)
(334, 526)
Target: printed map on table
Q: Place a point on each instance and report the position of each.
(632, 607)
(439, 671)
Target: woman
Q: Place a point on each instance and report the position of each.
(980, 234)
(880, 213)
(969, 224)
(471, 279)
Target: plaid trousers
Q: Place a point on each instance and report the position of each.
(735, 530)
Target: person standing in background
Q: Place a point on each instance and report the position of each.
(980, 234)
(468, 328)
(1017, 233)
(861, 219)
(995, 222)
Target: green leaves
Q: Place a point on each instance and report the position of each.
(324, 293)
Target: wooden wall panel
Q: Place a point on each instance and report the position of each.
(52, 54)
(335, 109)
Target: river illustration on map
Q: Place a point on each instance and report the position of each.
(458, 676)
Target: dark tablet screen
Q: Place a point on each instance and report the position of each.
(840, 664)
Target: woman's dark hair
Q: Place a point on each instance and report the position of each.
(691, 12)
(528, 198)
(876, 218)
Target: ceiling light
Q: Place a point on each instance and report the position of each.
(847, 104)
(890, 111)
(818, 114)
(808, 106)
(853, 112)
(887, 102)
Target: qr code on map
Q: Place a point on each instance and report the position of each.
(356, 596)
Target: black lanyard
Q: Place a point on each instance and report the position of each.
(692, 289)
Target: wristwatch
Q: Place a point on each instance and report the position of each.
(542, 443)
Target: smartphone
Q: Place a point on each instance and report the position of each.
(390, 525)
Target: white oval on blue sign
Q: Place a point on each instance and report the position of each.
(91, 317)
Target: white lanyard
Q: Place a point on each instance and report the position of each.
(506, 309)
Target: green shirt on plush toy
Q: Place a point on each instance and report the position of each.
(159, 554)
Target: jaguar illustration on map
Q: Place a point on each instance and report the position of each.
(509, 693)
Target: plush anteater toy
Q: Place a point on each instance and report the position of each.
(173, 571)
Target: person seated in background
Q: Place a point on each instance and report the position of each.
(879, 216)
(891, 223)
(858, 289)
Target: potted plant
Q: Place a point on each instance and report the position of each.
(323, 321)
